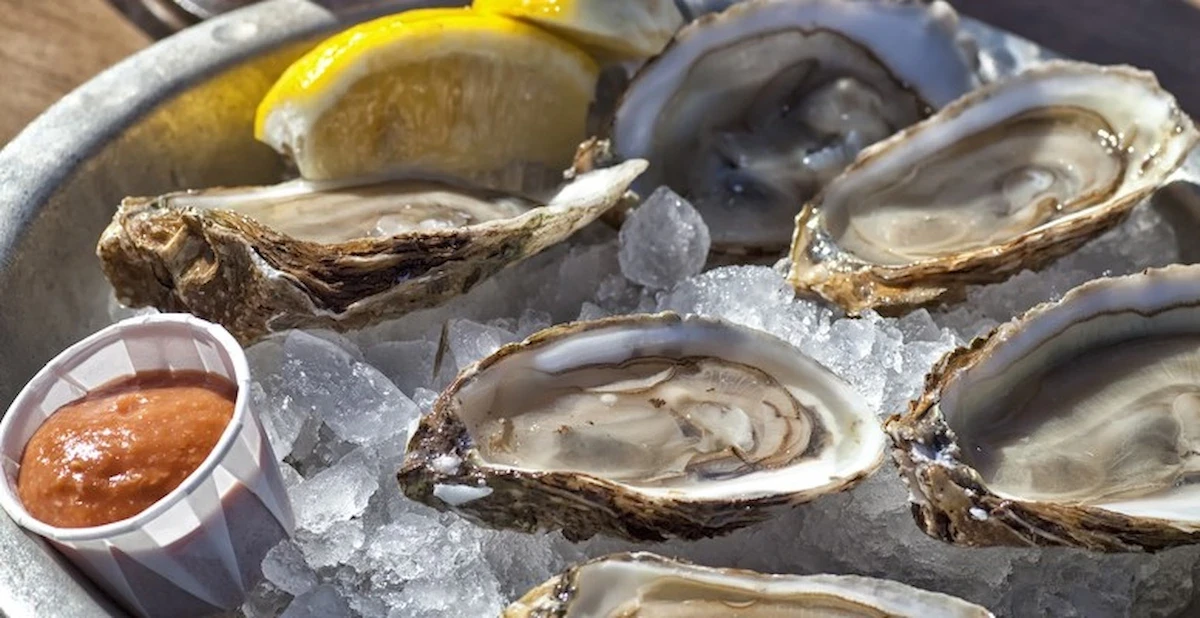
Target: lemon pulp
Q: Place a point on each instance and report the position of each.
(449, 91)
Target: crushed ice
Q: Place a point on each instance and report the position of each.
(338, 410)
(663, 241)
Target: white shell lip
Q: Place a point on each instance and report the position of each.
(668, 333)
(599, 586)
(1165, 134)
(569, 194)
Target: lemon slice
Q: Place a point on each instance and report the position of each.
(612, 29)
(448, 91)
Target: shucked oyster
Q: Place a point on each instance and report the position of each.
(1077, 424)
(642, 426)
(334, 255)
(649, 586)
(1009, 177)
(748, 112)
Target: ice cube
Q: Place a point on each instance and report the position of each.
(265, 600)
(918, 326)
(526, 560)
(442, 568)
(357, 402)
(408, 364)
(471, 341)
(424, 399)
(505, 324)
(333, 546)
(307, 444)
(337, 340)
(282, 423)
(389, 454)
(590, 311)
(411, 547)
(285, 567)
(473, 592)
(335, 494)
(368, 605)
(291, 478)
(747, 295)
(663, 241)
(566, 284)
(532, 321)
(320, 602)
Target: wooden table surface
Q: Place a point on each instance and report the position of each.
(47, 47)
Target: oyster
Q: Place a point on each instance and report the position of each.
(334, 254)
(1007, 178)
(649, 586)
(1077, 424)
(748, 112)
(644, 427)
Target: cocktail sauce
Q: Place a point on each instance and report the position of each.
(123, 446)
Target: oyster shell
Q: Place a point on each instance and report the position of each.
(650, 586)
(336, 255)
(1077, 424)
(1007, 178)
(748, 112)
(644, 427)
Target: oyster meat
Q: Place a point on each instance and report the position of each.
(1077, 424)
(335, 254)
(748, 112)
(1007, 178)
(644, 427)
(650, 586)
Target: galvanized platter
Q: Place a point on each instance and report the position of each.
(177, 115)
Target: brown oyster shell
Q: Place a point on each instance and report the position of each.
(951, 501)
(581, 505)
(819, 266)
(232, 270)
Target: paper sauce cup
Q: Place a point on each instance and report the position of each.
(199, 549)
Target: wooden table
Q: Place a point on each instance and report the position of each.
(47, 47)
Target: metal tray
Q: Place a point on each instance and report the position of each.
(176, 115)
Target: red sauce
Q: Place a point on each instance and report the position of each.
(122, 447)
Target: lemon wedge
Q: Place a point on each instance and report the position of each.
(611, 29)
(448, 91)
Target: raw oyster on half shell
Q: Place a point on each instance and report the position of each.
(649, 586)
(643, 427)
(1077, 424)
(336, 254)
(1007, 178)
(748, 112)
